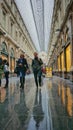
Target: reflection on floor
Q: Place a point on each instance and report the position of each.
(50, 107)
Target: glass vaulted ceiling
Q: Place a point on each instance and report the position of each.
(37, 16)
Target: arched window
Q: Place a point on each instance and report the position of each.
(4, 51)
(4, 47)
(12, 52)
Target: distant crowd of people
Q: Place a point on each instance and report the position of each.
(21, 69)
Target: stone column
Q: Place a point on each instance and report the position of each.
(0, 25)
(0, 13)
(60, 67)
(9, 56)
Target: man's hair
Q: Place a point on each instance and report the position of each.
(35, 54)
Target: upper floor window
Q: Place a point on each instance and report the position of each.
(4, 18)
(15, 12)
(12, 52)
(16, 34)
(67, 3)
(11, 27)
(20, 36)
(11, 2)
(23, 39)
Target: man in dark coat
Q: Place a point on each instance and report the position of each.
(37, 69)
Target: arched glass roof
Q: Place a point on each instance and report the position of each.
(37, 16)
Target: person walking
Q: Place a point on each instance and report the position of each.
(37, 69)
(6, 72)
(23, 67)
(1, 69)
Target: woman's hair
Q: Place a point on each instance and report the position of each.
(22, 56)
(5, 62)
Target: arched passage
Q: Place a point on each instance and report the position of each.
(4, 51)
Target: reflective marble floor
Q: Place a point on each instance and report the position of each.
(48, 108)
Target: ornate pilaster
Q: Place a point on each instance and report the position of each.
(71, 77)
(65, 72)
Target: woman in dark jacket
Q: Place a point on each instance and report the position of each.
(23, 66)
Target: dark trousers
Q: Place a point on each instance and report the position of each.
(37, 77)
(7, 78)
(0, 82)
(22, 81)
(22, 74)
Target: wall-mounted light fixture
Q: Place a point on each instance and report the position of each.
(53, 45)
(58, 30)
(2, 32)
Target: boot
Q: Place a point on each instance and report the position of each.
(21, 82)
(0, 82)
